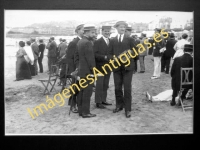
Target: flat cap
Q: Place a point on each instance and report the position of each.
(52, 38)
(119, 23)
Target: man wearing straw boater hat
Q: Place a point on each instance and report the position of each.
(101, 52)
(85, 68)
(122, 74)
(184, 61)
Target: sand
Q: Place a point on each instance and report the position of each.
(146, 117)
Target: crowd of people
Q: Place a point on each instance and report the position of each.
(85, 52)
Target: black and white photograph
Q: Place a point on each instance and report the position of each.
(98, 72)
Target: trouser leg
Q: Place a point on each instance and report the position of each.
(127, 80)
(105, 86)
(99, 89)
(141, 59)
(118, 80)
(86, 95)
(167, 64)
(157, 66)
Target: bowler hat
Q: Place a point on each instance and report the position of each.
(188, 48)
(172, 35)
(129, 27)
(119, 23)
(88, 27)
(79, 27)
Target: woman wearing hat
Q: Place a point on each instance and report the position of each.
(22, 68)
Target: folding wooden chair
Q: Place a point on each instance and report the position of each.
(53, 76)
(185, 81)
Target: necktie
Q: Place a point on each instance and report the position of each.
(107, 41)
(120, 38)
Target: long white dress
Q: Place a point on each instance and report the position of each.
(29, 53)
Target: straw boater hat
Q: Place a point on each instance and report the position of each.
(106, 27)
(79, 27)
(88, 27)
(119, 23)
(188, 48)
(129, 27)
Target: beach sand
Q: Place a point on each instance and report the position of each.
(146, 117)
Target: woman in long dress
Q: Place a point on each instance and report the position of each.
(22, 68)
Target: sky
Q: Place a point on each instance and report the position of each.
(22, 18)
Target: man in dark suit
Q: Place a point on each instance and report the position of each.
(85, 67)
(41, 54)
(101, 52)
(52, 53)
(72, 61)
(185, 61)
(35, 50)
(168, 54)
(122, 74)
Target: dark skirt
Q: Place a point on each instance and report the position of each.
(32, 69)
(22, 69)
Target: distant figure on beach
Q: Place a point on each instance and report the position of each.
(41, 54)
(22, 68)
(35, 50)
(30, 54)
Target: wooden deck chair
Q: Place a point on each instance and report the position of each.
(185, 81)
(53, 76)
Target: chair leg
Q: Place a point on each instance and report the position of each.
(180, 99)
(46, 88)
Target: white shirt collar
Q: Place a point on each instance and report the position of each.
(122, 36)
(105, 39)
(79, 37)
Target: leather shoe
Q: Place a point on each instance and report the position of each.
(80, 114)
(128, 114)
(88, 115)
(74, 110)
(100, 106)
(141, 71)
(106, 103)
(117, 110)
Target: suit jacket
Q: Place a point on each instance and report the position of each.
(41, 50)
(86, 57)
(145, 46)
(185, 61)
(158, 46)
(52, 49)
(70, 55)
(115, 48)
(35, 50)
(100, 51)
(62, 49)
(170, 48)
